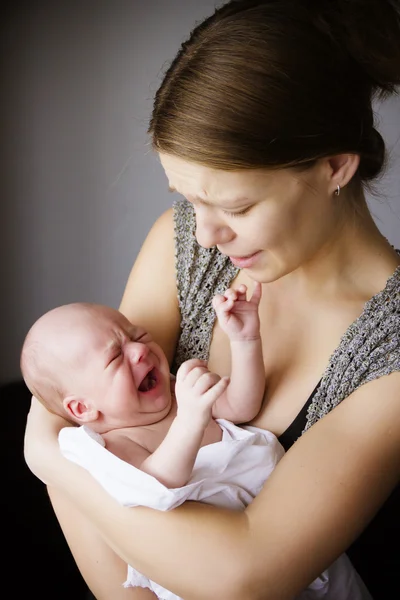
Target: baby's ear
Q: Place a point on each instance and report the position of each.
(80, 410)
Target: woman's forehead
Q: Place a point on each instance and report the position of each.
(198, 182)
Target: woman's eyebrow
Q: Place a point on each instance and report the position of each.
(242, 200)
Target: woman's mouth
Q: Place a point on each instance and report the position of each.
(244, 262)
(149, 382)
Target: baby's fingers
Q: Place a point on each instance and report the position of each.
(241, 292)
(205, 382)
(256, 295)
(222, 303)
(238, 293)
(188, 366)
(212, 395)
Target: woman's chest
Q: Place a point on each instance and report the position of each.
(297, 346)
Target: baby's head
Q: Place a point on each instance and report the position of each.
(88, 363)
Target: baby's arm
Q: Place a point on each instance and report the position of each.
(172, 462)
(239, 319)
(196, 389)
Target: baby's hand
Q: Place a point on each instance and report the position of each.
(238, 316)
(196, 390)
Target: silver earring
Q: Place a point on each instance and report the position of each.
(337, 191)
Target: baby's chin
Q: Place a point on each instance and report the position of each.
(163, 404)
(157, 408)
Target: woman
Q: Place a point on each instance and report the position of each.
(264, 124)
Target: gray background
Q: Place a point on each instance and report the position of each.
(80, 186)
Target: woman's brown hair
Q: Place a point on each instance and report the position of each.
(280, 83)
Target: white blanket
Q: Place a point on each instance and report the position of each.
(229, 473)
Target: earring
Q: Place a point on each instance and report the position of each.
(337, 191)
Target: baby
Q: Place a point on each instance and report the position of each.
(88, 363)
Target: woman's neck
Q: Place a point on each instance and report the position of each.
(356, 261)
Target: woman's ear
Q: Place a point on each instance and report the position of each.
(342, 168)
(80, 410)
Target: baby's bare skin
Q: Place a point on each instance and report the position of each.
(134, 444)
(167, 448)
(118, 382)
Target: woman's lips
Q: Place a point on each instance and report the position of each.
(244, 262)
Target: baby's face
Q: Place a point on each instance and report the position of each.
(123, 372)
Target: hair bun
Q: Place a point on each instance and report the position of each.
(372, 155)
(369, 31)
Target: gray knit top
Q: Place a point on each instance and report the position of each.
(368, 349)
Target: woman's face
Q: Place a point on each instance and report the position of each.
(268, 222)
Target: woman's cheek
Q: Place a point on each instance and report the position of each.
(267, 233)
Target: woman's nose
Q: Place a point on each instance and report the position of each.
(210, 231)
(137, 351)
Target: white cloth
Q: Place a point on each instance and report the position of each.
(229, 473)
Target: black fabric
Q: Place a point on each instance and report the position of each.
(375, 554)
(36, 559)
(295, 429)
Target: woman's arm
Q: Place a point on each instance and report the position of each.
(103, 571)
(150, 300)
(320, 497)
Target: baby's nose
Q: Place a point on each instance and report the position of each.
(137, 351)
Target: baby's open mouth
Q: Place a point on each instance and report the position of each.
(149, 382)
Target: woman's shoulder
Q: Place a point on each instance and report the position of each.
(369, 349)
